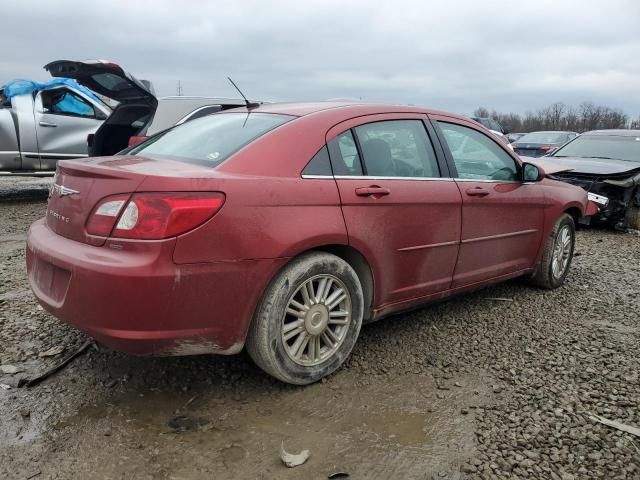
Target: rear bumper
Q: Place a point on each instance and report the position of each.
(135, 299)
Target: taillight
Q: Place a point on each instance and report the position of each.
(136, 139)
(547, 148)
(153, 216)
(105, 214)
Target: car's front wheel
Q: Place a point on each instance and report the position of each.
(557, 254)
(308, 319)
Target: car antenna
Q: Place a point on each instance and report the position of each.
(249, 104)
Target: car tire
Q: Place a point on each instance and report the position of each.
(557, 255)
(296, 321)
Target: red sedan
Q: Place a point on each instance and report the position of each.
(286, 227)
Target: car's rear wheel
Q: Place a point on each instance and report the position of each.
(557, 254)
(308, 319)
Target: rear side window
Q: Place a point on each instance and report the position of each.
(476, 156)
(210, 140)
(397, 148)
(344, 155)
(319, 164)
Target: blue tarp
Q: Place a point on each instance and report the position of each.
(20, 87)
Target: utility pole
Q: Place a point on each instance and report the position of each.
(179, 89)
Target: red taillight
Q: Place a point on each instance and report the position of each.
(136, 139)
(547, 148)
(152, 216)
(105, 214)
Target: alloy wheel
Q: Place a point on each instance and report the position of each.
(316, 320)
(561, 252)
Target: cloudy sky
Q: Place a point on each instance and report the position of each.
(454, 55)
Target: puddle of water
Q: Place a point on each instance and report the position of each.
(390, 429)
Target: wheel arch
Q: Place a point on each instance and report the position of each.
(362, 268)
(575, 213)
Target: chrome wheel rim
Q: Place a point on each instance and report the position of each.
(316, 320)
(561, 252)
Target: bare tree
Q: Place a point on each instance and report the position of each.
(560, 116)
(481, 112)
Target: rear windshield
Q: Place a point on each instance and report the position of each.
(603, 146)
(543, 137)
(210, 140)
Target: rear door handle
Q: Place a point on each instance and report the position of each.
(372, 191)
(47, 124)
(477, 192)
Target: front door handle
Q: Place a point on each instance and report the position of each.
(372, 191)
(47, 124)
(477, 192)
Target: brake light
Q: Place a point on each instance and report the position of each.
(153, 216)
(547, 148)
(136, 139)
(105, 214)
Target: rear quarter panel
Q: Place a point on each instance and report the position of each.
(270, 210)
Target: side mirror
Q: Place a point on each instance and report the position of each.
(506, 131)
(532, 173)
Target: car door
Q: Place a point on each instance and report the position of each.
(64, 119)
(401, 209)
(502, 216)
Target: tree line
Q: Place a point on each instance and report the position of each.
(560, 116)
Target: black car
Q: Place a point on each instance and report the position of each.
(606, 163)
(537, 144)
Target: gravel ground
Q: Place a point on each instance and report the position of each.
(469, 388)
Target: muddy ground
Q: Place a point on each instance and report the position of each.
(501, 383)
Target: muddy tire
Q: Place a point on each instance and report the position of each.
(557, 254)
(308, 319)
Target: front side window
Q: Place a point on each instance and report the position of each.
(476, 156)
(63, 102)
(397, 148)
(211, 139)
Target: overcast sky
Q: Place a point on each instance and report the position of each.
(453, 55)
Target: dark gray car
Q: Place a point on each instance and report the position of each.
(537, 144)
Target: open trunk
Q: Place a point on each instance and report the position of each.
(136, 101)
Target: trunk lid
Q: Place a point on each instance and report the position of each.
(105, 78)
(79, 185)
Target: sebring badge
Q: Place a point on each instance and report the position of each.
(61, 191)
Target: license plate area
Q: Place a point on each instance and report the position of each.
(51, 281)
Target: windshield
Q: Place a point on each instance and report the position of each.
(603, 146)
(210, 140)
(543, 137)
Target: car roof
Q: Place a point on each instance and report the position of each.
(343, 109)
(615, 132)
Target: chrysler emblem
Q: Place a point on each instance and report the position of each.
(62, 191)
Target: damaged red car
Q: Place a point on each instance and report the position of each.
(285, 227)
